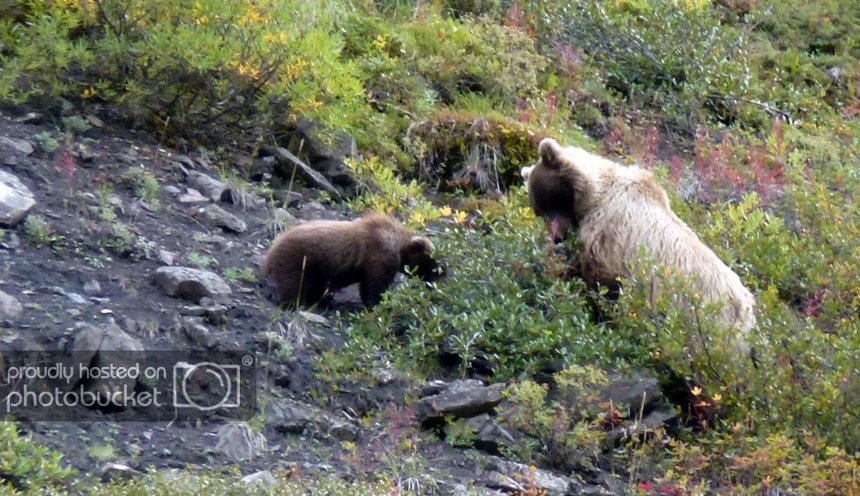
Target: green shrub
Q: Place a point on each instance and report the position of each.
(565, 432)
(24, 464)
(677, 58)
(517, 319)
(177, 67)
(473, 56)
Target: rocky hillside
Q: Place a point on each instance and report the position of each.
(111, 243)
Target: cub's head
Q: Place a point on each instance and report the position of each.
(552, 188)
(417, 259)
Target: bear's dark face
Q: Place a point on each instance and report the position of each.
(417, 260)
(552, 191)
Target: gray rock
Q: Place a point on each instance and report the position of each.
(166, 257)
(296, 418)
(215, 313)
(192, 310)
(336, 170)
(280, 221)
(243, 198)
(264, 479)
(115, 201)
(198, 334)
(191, 195)
(73, 297)
(16, 199)
(30, 118)
(105, 345)
(209, 186)
(462, 400)
(11, 241)
(436, 386)
(190, 284)
(218, 217)
(10, 307)
(289, 417)
(238, 442)
(172, 190)
(117, 472)
(182, 159)
(92, 288)
(638, 390)
(286, 197)
(313, 210)
(342, 430)
(76, 298)
(517, 477)
(16, 145)
(489, 435)
(220, 242)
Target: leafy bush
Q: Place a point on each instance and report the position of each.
(738, 462)
(176, 67)
(473, 56)
(676, 57)
(24, 464)
(515, 320)
(565, 432)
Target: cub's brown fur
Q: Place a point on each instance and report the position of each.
(621, 213)
(325, 255)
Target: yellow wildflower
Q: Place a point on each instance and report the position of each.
(418, 218)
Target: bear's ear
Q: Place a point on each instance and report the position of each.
(525, 172)
(550, 152)
(419, 244)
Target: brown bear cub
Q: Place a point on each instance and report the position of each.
(323, 256)
(620, 213)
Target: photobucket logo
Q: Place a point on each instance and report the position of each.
(122, 397)
(220, 382)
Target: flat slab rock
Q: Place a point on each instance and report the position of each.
(517, 478)
(16, 199)
(10, 307)
(293, 417)
(218, 217)
(462, 399)
(189, 283)
(16, 145)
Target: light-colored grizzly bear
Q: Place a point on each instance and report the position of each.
(323, 256)
(622, 217)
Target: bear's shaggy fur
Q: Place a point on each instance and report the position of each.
(620, 213)
(323, 256)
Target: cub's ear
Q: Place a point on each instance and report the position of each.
(419, 244)
(550, 153)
